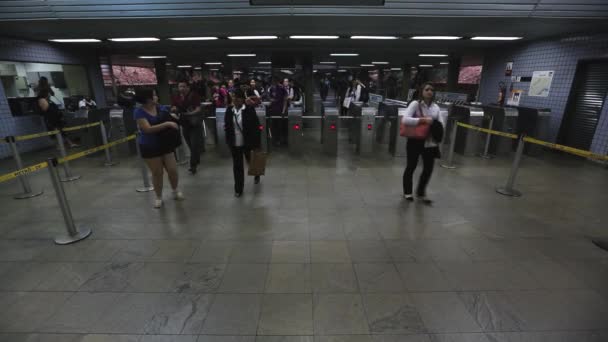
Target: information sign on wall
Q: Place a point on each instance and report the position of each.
(509, 69)
(541, 83)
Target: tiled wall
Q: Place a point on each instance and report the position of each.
(559, 55)
(29, 51)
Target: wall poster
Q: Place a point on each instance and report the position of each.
(509, 69)
(541, 83)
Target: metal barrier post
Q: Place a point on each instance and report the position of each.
(508, 190)
(104, 139)
(144, 171)
(450, 162)
(74, 233)
(24, 179)
(486, 150)
(66, 165)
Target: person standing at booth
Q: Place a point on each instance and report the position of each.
(243, 136)
(188, 104)
(423, 111)
(158, 138)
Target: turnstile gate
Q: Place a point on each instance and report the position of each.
(222, 147)
(367, 121)
(330, 131)
(295, 134)
(261, 114)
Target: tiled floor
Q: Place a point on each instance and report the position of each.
(323, 250)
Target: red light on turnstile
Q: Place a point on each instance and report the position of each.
(261, 127)
(296, 127)
(369, 127)
(332, 127)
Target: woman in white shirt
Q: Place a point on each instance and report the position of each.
(353, 93)
(421, 112)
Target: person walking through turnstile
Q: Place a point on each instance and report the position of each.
(422, 114)
(278, 107)
(243, 136)
(324, 88)
(188, 104)
(353, 93)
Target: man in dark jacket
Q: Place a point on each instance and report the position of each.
(242, 135)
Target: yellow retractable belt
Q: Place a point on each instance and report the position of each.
(75, 128)
(489, 131)
(35, 135)
(567, 149)
(23, 171)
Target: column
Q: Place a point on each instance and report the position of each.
(308, 83)
(453, 73)
(406, 68)
(163, 82)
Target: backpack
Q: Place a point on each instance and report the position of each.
(364, 97)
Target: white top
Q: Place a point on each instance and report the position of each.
(255, 91)
(239, 140)
(352, 96)
(415, 109)
(82, 103)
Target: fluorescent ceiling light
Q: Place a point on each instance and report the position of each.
(373, 37)
(436, 37)
(265, 62)
(213, 63)
(444, 63)
(344, 54)
(214, 69)
(80, 40)
(193, 38)
(184, 66)
(198, 68)
(241, 55)
(367, 65)
(315, 70)
(341, 70)
(381, 63)
(314, 37)
(151, 57)
(251, 37)
(327, 62)
(432, 55)
(167, 64)
(328, 73)
(145, 39)
(496, 38)
(396, 69)
(289, 72)
(425, 65)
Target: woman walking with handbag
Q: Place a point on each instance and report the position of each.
(243, 136)
(416, 124)
(158, 138)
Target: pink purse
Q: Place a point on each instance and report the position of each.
(420, 132)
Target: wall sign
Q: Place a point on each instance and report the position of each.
(516, 95)
(509, 69)
(541, 83)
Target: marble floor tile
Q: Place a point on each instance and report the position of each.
(334, 278)
(168, 338)
(233, 314)
(199, 278)
(496, 275)
(329, 252)
(493, 311)
(378, 278)
(444, 312)
(113, 277)
(478, 337)
(423, 277)
(368, 251)
(251, 252)
(408, 251)
(344, 338)
(23, 276)
(401, 338)
(28, 311)
(155, 277)
(244, 278)
(552, 275)
(130, 314)
(286, 314)
(80, 313)
(284, 339)
(216, 338)
(179, 314)
(213, 252)
(339, 314)
(289, 278)
(290, 252)
(392, 314)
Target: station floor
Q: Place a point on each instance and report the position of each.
(323, 250)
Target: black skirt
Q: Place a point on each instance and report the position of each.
(149, 152)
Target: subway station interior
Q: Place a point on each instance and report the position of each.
(257, 170)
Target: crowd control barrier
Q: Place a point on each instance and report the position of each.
(74, 232)
(508, 189)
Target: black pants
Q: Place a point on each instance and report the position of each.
(324, 92)
(279, 129)
(415, 149)
(193, 134)
(238, 168)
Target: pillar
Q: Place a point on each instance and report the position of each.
(406, 68)
(308, 83)
(160, 65)
(453, 73)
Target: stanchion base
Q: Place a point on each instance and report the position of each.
(70, 179)
(145, 189)
(29, 195)
(83, 233)
(486, 156)
(446, 166)
(508, 192)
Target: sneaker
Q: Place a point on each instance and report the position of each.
(425, 200)
(158, 203)
(408, 198)
(178, 196)
(256, 180)
(238, 194)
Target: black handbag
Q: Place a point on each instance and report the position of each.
(169, 138)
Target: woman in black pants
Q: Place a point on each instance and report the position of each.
(421, 112)
(242, 135)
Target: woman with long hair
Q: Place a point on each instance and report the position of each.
(423, 111)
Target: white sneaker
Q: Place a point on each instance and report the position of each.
(178, 196)
(158, 203)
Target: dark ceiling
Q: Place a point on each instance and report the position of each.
(102, 19)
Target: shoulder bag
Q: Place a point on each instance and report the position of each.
(420, 132)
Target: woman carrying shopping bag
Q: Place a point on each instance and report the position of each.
(416, 125)
(243, 136)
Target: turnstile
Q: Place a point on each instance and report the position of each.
(541, 131)
(400, 141)
(354, 111)
(467, 142)
(209, 126)
(367, 121)
(295, 133)
(222, 147)
(260, 111)
(330, 131)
